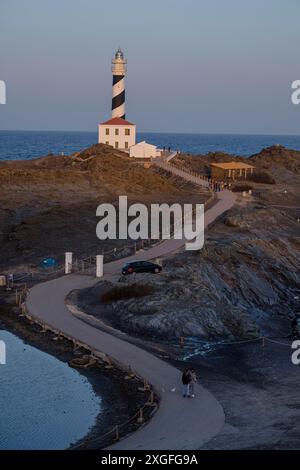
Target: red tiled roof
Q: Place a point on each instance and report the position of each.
(117, 121)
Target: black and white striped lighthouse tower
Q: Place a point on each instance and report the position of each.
(118, 92)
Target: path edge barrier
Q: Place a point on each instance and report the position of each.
(110, 362)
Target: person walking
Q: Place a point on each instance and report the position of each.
(185, 383)
(192, 382)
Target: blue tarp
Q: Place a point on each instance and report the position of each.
(49, 262)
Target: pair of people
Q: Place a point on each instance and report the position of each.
(189, 379)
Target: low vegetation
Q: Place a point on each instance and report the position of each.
(127, 292)
(262, 177)
(40, 195)
(242, 187)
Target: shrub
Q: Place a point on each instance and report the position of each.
(127, 292)
(241, 187)
(262, 177)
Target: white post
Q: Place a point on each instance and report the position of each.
(2, 352)
(68, 262)
(99, 265)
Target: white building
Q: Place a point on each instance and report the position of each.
(118, 133)
(144, 150)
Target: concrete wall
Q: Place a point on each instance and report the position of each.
(116, 141)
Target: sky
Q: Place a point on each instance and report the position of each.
(194, 66)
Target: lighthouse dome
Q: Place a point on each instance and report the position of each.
(119, 54)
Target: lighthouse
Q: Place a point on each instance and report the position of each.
(118, 90)
(117, 131)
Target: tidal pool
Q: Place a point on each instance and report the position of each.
(44, 404)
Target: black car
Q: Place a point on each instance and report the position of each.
(141, 267)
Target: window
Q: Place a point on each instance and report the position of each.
(116, 131)
(107, 131)
(107, 143)
(126, 145)
(127, 131)
(116, 145)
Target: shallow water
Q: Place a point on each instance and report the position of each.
(44, 404)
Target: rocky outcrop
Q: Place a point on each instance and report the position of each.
(244, 281)
(242, 284)
(282, 163)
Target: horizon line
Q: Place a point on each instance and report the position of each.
(156, 132)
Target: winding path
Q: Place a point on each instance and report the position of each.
(179, 423)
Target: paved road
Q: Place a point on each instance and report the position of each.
(225, 201)
(179, 423)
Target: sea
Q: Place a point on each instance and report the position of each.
(25, 145)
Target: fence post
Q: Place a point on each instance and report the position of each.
(99, 265)
(141, 416)
(150, 401)
(109, 364)
(68, 262)
(130, 374)
(146, 386)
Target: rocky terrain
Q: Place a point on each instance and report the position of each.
(242, 284)
(48, 205)
(282, 162)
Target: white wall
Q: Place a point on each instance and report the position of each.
(112, 138)
(144, 150)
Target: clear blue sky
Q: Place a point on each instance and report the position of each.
(193, 65)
